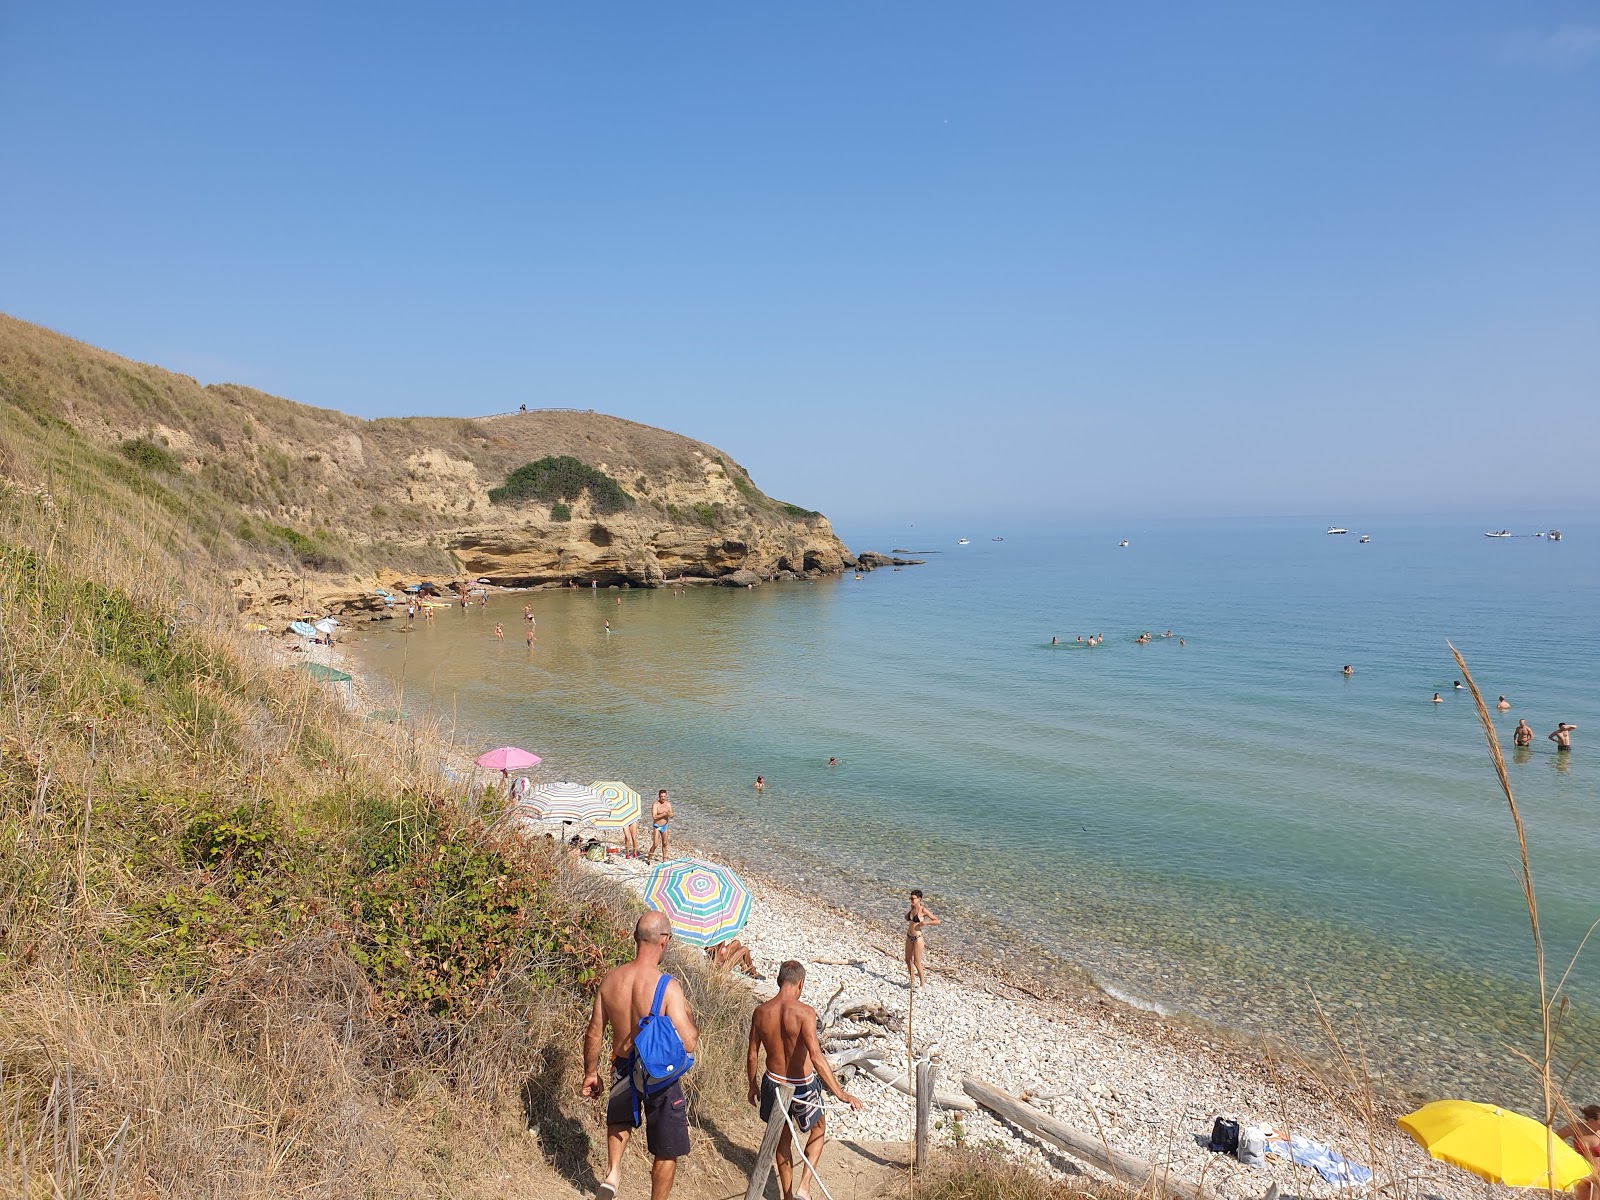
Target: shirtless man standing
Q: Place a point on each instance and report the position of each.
(625, 995)
(1562, 737)
(1523, 735)
(660, 818)
(786, 1028)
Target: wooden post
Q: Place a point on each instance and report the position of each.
(769, 1145)
(1133, 1172)
(926, 1074)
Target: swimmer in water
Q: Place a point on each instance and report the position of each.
(608, 626)
(499, 632)
(1053, 642)
(1458, 685)
(761, 784)
(1523, 735)
(833, 762)
(1562, 737)
(1438, 699)
(1349, 670)
(1502, 704)
(530, 637)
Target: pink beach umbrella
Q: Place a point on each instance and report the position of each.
(507, 758)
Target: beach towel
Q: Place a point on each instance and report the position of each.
(1324, 1160)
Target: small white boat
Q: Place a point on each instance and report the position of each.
(1123, 542)
(963, 541)
(1337, 529)
(1499, 533)
(1365, 538)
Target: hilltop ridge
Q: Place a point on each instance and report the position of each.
(308, 503)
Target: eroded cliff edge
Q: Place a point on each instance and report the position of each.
(305, 507)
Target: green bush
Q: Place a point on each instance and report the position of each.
(142, 452)
(560, 512)
(804, 514)
(561, 478)
(705, 513)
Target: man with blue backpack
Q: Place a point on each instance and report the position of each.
(653, 1038)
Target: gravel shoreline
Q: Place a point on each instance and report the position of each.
(1146, 1084)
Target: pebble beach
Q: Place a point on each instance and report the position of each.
(1145, 1084)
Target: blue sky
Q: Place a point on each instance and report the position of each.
(901, 260)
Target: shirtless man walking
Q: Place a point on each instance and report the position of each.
(660, 818)
(786, 1028)
(625, 995)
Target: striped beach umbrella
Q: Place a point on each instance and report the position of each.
(565, 801)
(706, 903)
(624, 802)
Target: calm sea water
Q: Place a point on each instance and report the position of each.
(1223, 828)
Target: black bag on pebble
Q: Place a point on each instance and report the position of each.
(1224, 1136)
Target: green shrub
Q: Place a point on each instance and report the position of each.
(561, 478)
(804, 514)
(705, 513)
(142, 452)
(441, 910)
(560, 512)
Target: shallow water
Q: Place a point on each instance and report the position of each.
(1220, 828)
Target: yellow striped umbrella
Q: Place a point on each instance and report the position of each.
(624, 801)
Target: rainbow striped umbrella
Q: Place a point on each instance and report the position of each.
(624, 802)
(565, 802)
(706, 903)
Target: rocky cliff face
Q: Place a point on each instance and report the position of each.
(313, 504)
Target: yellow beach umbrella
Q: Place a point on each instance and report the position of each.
(1494, 1144)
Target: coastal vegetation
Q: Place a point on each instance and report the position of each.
(562, 478)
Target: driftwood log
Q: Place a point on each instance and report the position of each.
(896, 1078)
(1133, 1172)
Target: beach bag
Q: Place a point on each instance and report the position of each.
(1252, 1150)
(1224, 1136)
(659, 1058)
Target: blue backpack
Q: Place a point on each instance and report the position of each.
(659, 1058)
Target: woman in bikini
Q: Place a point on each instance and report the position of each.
(917, 916)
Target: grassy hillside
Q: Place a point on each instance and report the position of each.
(258, 480)
(250, 944)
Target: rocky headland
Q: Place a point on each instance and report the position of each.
(309, 508)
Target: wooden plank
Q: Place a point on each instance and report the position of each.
(1132, 1171)
(927, 1073)
(769, 1145)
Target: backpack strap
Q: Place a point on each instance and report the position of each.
(661, 991)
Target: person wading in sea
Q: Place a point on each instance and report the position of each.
(786, 1028)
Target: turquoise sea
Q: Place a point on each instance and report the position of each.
(1222, 828)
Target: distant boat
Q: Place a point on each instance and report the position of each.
(1123, 542)
(963, 541)
(1554, 535)
(1366, 537)
(1336, 529)
(997, 539)
(1499, 533)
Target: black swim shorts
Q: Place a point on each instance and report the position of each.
(665, 1113)
(806, 1107)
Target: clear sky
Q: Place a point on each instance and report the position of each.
(901, 260)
